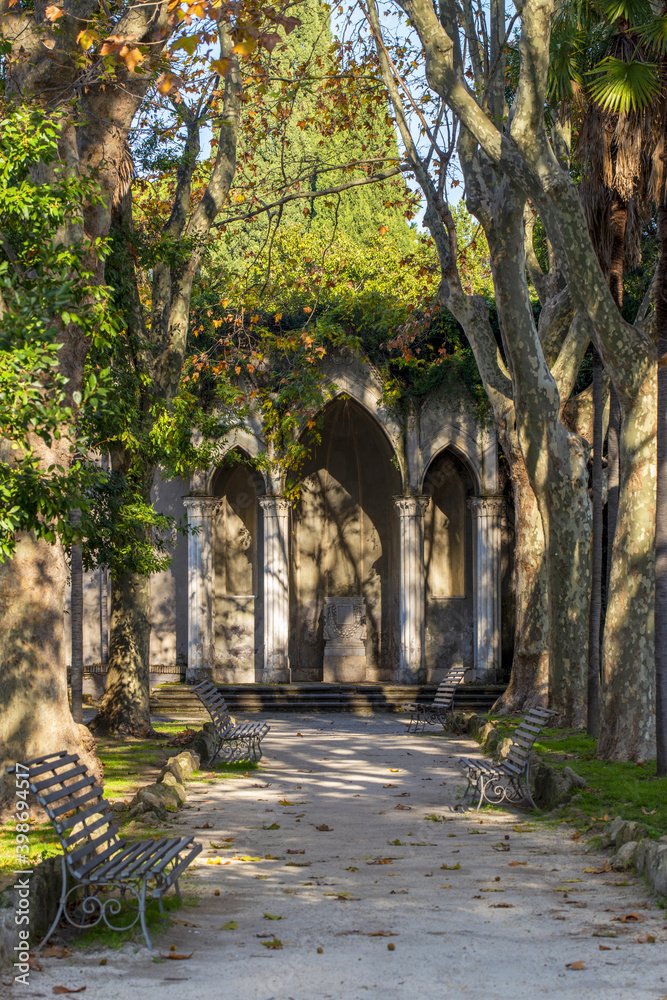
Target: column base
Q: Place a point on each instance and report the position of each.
(280, 676)
(195, 675)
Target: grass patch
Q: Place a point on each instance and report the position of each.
(614, 788)
(103, 936)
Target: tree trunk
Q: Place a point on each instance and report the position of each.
(104, 615)
(661, 506)
(613, 475)
(76, 625)
(556, 464)
(35, 717)
(125, 707)
(529, 680)
(593, 718)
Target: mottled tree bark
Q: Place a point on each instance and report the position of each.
(661, 506)
(593, 719)
(524, 154)
(529, 678)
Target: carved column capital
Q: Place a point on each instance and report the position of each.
(411, 506)
(204, 506)
(276, 505)
(486, 506)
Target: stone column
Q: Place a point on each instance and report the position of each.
(411, 512)
(276, 588)
(201, 632)
(487, 513)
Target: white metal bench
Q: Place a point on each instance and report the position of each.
(510, 779)
(95, 859)
(234, 741)
(432, 713)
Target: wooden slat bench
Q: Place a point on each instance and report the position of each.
(234, 741)
(95, 858)
(511, 779)
(436, 711)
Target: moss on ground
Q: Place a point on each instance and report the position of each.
(128, 765)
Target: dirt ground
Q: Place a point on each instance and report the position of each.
(374, 898)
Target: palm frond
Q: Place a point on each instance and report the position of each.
(654, 34)
(621, 86)
(633, 11)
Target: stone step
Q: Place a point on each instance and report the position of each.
(176, 699)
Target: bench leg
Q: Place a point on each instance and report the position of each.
(61, 908)
(142, 914)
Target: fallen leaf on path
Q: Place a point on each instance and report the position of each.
(231, 925)
(341, 895)
(285, 802)
(298, 864)
(273, 826)
(404, 892)
(606, 867)
(351, 869)
(401, 795)
(267, 785)
(629, 918)
(291, 850)
(394, 770)
(646, 939)
(576, 966)
(271, 916)
(575, 836)
(500, 846)
(382, 861)
(604, 947)
(323, 828)
(65, 989)
(514, 864)
(300, 734)
(390, 786)
(53, 951)
(451, 868)
(275, 944)
(649, 812)
(501, 906)
(245, 857)
(175, 955)
(204, 826)
(379, 934)
(401, 806)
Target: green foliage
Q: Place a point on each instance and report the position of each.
(621, 86)
(46, 287)
(317, 293)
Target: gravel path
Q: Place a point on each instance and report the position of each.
(374, 898)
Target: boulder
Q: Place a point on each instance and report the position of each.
(170, 781)
(647, 851)
(608, 838)
(204, 742)
(656, 869)
(150, 818)
(630, 831)
(503, 748)
(170, 797)
(576, 780)
(625, 856)
(551, 787)
(173, 768)
(188, 762)
(148, 798)
(492, 740)
(485, 731)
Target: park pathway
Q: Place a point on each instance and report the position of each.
(347, 834)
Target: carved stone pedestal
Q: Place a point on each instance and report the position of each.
(344, 640)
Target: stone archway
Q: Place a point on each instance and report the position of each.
(448, 566)
(345, 548)
(237, 543)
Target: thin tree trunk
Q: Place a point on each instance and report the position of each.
(529, 681)
(76, 626)
(613, 475)
(104, 615)
(125, 705)
(661, 505)
(593, 718)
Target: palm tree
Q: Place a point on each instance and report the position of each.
(601, 78)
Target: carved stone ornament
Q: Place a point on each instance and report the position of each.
(344, 623)
(491, 506)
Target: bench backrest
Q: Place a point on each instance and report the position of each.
(445, 693)
(76, 806)
(214, 703)
(525, 736)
